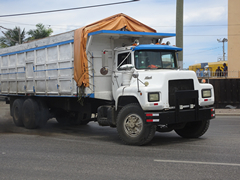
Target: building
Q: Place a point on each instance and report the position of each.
(234, 38)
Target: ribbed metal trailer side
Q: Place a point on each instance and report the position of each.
(42, 67)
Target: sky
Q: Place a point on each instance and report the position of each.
(205, 21)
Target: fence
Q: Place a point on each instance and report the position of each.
(226, 90)
(214, 74)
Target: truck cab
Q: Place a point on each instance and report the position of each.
(158, 77)
(148, 90)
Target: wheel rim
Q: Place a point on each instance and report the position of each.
(133, 125)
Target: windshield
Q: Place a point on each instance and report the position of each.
(152, 59)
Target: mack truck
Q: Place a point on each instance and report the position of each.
(135, 85)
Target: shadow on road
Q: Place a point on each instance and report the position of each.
(92, 131)
(170, 138)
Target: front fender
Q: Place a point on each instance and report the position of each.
(205, 101)
(129, 92)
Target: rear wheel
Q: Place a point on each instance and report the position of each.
(131, 127)
(44, 113)
(31, 114)
(193, 129)
(17, 112)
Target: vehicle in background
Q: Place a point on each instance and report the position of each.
(211, 68)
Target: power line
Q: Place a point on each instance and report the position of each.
(203, 25)
(14, 23)
(9, 22)
(202, 51)
(70, 25)
(58, 27)
(151, 26)
(210, 25)
(207, 35)
(54, 26)
(69, 9)
(214, 35)
(77, 26)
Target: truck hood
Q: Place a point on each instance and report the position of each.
(165, 82)
(159, 76)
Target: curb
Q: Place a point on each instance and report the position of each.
(227, 114)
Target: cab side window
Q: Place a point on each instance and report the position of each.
(121, 57)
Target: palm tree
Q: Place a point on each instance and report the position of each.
(12, 37)
(40, 32)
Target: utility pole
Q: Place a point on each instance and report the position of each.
(223, 41)
(179, 31)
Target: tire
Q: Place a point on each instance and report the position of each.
(131, 126)
(193, 129)
(17, 112)
(31, 114)
(44, 113)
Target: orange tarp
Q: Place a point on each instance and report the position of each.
(115, 22)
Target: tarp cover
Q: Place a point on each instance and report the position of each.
(116, 22)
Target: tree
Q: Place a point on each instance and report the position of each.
(16, 36)
(12, 37)
(40, 32)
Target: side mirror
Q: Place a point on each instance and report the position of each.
(135, 75)
(126, 67)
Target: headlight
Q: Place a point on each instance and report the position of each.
(206, 93)
(153, 97)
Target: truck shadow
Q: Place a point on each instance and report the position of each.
(54, 129)
(171, 138)
(92, 131)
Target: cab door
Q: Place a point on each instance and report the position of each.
(121, 58)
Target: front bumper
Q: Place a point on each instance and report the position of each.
(182, 115)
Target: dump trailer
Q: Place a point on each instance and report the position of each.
(134, 85)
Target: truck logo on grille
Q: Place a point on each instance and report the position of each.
(148, 77)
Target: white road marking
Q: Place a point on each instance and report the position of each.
(197, 162)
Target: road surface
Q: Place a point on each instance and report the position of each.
(94, 152)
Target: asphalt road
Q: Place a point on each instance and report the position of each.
(94, 152)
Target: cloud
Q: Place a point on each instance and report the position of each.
(205, 15)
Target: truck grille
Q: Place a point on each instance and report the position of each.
(179, 85)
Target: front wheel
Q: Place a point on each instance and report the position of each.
(131, 127)
(193, 129)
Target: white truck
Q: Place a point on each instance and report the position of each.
(135, 85)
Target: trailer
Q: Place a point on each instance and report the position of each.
(134, 84)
